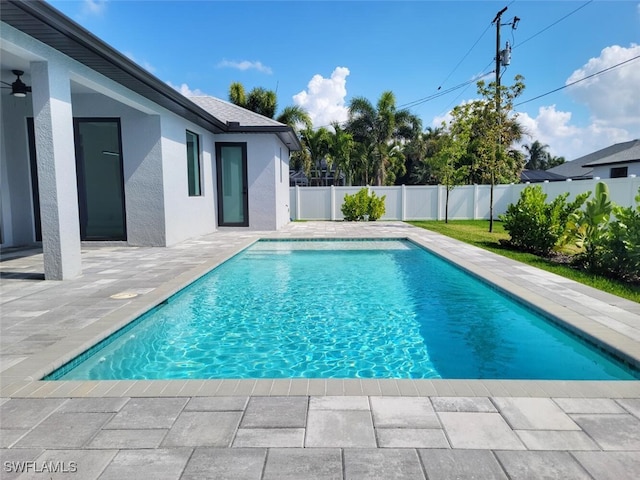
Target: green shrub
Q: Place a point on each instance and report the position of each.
(362, 206)
(376, 207)
(621, 248)
(536, 226)
(589, 228)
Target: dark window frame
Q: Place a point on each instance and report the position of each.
(194, 178)
(245, 186)
(619, 172)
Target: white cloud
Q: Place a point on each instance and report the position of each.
(553, 127)
(186, 91)
(612, 101)
(324, 98)
(94, 7)
(246, 65)
(612, 97)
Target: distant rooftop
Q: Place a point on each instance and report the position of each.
(582, 168)
(536, 176)
(630, 154)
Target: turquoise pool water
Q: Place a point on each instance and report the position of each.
(342, 309)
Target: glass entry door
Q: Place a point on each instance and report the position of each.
(231, 167)
(100, 179)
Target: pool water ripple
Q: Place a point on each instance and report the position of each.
(373, 309)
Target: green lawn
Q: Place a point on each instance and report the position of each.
(476, 232)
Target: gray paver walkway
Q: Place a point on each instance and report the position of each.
(296, 429)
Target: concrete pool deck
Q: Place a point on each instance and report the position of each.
(307, 429)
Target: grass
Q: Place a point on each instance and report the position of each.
(476, 232)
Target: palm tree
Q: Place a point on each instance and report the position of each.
(381, 127)
(295, 116)
(316, 143)
(264, 102)
(237, 94)
(536, 156)
(340, 151)
(553, 161)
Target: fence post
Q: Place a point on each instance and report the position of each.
(403, 203)
(297, 202)
(475, 201)
(438, 215)
(333, 203)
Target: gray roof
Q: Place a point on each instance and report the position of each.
(535, 176)
(48, 25)
(228, 112)
(631, 154)
(240, 119)
(583, 167)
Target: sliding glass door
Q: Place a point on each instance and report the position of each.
(100, 179)
(231, 166)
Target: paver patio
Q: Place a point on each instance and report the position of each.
(297, 429)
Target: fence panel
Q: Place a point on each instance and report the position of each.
(393, 202)
(421, 202)
(427, 202)
(315, 203)
(461, 202)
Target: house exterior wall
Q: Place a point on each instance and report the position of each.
(283, 206)
(187, 216)
(142, 166)
(268, 206)
(604, 171)
(158, 208)
(15, 179)
(153, 140)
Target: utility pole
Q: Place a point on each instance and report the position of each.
(498, 59)
(502, 58)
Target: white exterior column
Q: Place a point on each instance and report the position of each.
(53, 121)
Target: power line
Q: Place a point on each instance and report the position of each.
(442, 93)
(578, 81)
(464, 56)
(466, 84)
(554, 23)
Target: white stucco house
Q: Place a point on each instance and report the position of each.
(94, 147)
(619, 164)
(615, 161)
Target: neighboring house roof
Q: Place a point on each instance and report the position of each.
(631, 154)
(582, 167)
(46, 24)
(534, 176)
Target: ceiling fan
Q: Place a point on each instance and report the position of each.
(18, 88)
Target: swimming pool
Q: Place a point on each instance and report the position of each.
(341, 309)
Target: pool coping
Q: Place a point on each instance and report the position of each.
(22, 379)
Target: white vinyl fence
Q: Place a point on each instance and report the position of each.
(427, 202)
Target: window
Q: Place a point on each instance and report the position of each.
(619, 172)
(193, 164)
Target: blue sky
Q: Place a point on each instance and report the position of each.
(320, 54)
